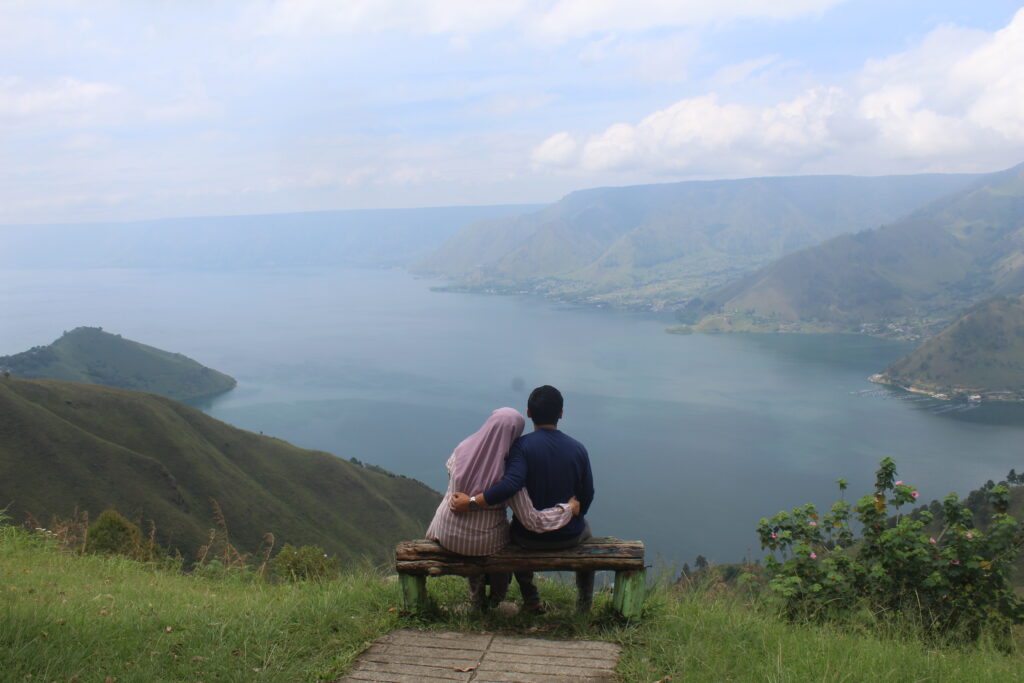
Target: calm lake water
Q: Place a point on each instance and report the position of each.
(692, 438)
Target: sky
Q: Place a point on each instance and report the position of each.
(137, 110)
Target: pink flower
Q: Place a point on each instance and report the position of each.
(914, 494)
(970, 535)
(899, 483)
(931, 540)
(814, 556)
(813, 523)
(954, 561)
(774, 535)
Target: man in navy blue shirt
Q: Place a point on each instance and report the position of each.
(554, 468)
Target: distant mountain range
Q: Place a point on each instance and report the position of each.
(659, 246)
(371, 237)
(68, 444)
(982, 352)
(923, 269)
(88, 354)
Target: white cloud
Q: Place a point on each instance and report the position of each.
(554, 20)
(559, 150)
(737, 73)
(64, 95)
(955, 101)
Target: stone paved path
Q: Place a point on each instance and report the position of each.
(405, 656)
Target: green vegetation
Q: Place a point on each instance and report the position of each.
(927, 267)
(88, 354)
(659, 246)
(67, 446)
(953, 585)
(982, 352)
(112, 619)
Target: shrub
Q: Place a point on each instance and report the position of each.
(951, 583)
(112, 534)
(305, 563)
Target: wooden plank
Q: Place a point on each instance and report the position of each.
(422, 557)
(388, 677)
(516, 677)
(383, 649)
(497, 660)
(414, 670)
(563, 647)
(437, 639)
(594, 662)
(439, 662)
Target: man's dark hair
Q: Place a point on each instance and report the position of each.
(545, 405)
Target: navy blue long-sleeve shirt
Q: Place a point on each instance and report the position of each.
(554, 467)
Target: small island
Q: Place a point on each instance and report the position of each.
(88, 354)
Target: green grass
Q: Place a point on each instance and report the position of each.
(66, 444)
(64, 616)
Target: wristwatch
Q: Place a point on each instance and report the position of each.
(473, 505)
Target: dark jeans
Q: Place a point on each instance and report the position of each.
(584, 580)
(478, 589)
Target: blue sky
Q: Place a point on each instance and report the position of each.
(125, 110)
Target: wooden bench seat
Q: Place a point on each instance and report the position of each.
(416, 560)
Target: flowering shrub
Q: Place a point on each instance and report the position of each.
(951, 582)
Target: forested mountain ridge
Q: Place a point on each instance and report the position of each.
(923, 269)
(658, 246)
(982, 352)
(65, 445)
(88, 354)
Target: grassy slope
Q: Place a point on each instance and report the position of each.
(983, 350)
(666, 243)
(88, 354)
(63, 616)
(934, 263)
(64, 444)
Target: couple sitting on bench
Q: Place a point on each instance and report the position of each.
(544, 476)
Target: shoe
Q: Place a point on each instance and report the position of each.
(534, 608)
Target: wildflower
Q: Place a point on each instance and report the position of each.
(813, 523)
(899, 483)
(969, 535)
(954, 561)
(931, 540)
(814, 556)
(774, 535)
(914, 494)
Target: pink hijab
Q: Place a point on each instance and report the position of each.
(480, 458)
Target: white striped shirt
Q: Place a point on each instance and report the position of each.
(485, 531)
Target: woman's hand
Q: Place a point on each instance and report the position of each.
(574, 505)
(459, 503)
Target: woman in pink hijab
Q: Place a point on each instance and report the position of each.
(477, 463)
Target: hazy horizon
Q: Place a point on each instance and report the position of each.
(124, 112)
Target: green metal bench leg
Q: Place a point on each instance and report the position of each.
(414, 592)
(630, 588)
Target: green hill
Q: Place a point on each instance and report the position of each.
(982, 352)
(925, 268)
(658, 246)
(88, 354)
(66, 444)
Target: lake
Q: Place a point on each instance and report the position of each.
(692, 438)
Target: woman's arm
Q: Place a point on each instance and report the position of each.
(539, 521)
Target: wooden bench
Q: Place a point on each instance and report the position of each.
(416, 560)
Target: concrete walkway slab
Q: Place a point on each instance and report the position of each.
(405, 656)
